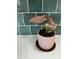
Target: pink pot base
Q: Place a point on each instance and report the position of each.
(46, 42)
(52, 48)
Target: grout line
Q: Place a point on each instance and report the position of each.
(34, 25)
(28, 5)
(42, 5)
(59, 25)
(23, 19)
(49, 13)
(56, 6)
(30, 30)
(36, 15)
(19, 30)
(28, 25)
(38, 12)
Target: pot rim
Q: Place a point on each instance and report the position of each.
(44, 36)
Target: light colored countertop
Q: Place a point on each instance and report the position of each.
(26, 48)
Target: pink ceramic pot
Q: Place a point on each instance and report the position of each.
(46, 42)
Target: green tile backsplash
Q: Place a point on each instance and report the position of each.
(25, 30)
(20, 19)
(35, 5)
(22, 5)
(49, 5)
(18, 31)
(35, 29)
(27, 17)
(58, 30)
(26, 9)
(57, 17)
(59, 6)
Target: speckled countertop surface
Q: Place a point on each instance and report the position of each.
(26, 48)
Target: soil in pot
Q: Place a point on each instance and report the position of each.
(42, 32)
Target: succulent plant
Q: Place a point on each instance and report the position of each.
(49, 27)
(46, 28)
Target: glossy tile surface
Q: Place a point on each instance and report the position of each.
(20, 19)
(35, 5)
(49, 5)
(57, 17)
(22, 6)
(35, 29)
(25, 30)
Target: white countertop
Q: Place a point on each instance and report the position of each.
(26, 48)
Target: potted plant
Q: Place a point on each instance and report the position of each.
(46, 35)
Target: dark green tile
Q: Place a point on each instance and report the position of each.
(41, 14)
(18, 5)
(59, 6)
(57, 17)
(22, 5)
(35, 29)
(27, 17)
(18, 31)
(49, 5)
(25, 30)
(35, 5)
(20, 19)
(58, 30)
